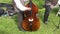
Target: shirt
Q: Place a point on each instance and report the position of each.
(19, 4)
(59, 2)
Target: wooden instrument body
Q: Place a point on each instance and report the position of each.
(31, 22)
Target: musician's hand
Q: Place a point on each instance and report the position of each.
(26, 8)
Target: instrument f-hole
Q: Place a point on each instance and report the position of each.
(30, 20)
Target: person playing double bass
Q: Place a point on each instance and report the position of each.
(19, 7)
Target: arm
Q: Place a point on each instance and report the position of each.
(20, 5)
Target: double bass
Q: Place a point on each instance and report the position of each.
(31, 22)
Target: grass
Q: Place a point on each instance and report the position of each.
(9, 26)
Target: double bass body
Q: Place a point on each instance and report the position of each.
(31, 22)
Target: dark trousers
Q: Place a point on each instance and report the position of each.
(20, 20)
(46, 14)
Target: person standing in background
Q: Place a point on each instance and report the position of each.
(49, 4)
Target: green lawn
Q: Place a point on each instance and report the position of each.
(9, 26)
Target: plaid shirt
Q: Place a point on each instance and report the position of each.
(23, 1)
(53, 2)
(19, 4)
(59, 2)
